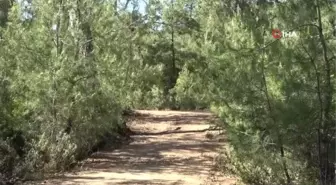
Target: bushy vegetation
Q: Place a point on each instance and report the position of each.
(68, 70)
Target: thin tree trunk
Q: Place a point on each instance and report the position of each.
(173, 67)
(319, 95)
(172, 71)
(5, 6)
(325, 176)
(115, 7)
(58, 52)
(280, 145)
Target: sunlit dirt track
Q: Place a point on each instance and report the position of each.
(170, 148)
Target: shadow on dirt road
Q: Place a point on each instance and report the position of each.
(170, 148)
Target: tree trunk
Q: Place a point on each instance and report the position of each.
(5, 6)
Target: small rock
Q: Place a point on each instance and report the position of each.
(209, 135)
(178, 128)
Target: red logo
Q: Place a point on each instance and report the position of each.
(276, 33)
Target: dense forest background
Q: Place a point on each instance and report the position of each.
(69, 69)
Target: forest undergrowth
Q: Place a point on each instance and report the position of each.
(69, 69)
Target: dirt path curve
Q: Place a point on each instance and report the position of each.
(171, 149)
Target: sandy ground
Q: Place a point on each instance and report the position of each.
(170, 148)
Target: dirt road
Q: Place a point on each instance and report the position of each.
(171, 148)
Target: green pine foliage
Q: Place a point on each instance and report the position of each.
(68, 69)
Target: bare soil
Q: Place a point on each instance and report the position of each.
(170, 147)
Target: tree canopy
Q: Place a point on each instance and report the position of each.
(68, 69)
